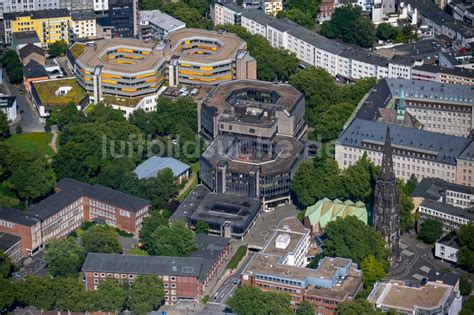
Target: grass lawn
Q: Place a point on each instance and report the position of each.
(194, 170)
(138, 252)
(7, 196)
(37, 141)
(239, 254)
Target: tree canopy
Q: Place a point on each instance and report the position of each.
(4, 127)
(101, 239)
(14, 67)
(173, 240)
(328, 105)
(466, 251)
(305, 308)
(146, 294)
(110, 296)
(6, 265)
(351, 238)
(348, 24)
(430, 231)
(273, 63)
(250, 300)
(57, 48)
(321, 177)
(64, 257)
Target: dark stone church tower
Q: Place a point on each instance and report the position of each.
(386, 203)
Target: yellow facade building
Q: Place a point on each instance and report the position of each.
(50, 25)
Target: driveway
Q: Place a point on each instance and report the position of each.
(30, 120)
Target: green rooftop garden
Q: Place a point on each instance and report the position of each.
(77, 49)
(121, 100)
(47, 92)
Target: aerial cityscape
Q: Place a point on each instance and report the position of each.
(262, 157)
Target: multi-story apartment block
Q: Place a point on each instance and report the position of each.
(255, 21)
(77, 5)
(17, 6)
(73, 203)
(50, 25)
(272, 7)
(183, 277)
(132, 68)
(434, 73)
(404, 298)
(311, 48)
(8, 105)
(419, 152)
(83, 24)
(356, 64)
(278, 269)
(101, 5)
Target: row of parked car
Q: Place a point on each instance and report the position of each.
(185, 92)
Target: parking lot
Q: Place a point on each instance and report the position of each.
(196, 92)
(266, 224)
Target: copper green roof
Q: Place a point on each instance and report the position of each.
(326, 210)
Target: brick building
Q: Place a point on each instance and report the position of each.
(19, 223)
(183, 277)
(280, 268)
(73, 203)
(11, 245)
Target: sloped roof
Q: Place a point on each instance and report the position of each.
(29, 49)
(326, 210)
(155, 164)
(34, 70)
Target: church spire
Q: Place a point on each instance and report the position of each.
(387, 160)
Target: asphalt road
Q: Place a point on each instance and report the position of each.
(30, 120)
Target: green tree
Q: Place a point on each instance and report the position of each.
(31, 175)
(68, 115)
(6, 265)
(348, 24)
(250, 300)
(57, 49)
(372, 270)
(146, 294)
(11, 62)
(465, 286)
(386, 31)
(150, 224)
(161, 188)
(110, 296)
(407, 219)
(101, 239)
(468, 306)
(38, 291)
(7, 294)
(273, 63)
(352, 238)
(201, 227)
(298, 16)
(4, 127)
(305, 308)
(430, 231)
(466, 242)
(69, 294)
(356, 307)
(64, 257)
(173, 240)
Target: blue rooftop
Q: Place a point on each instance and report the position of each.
(153, 165)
